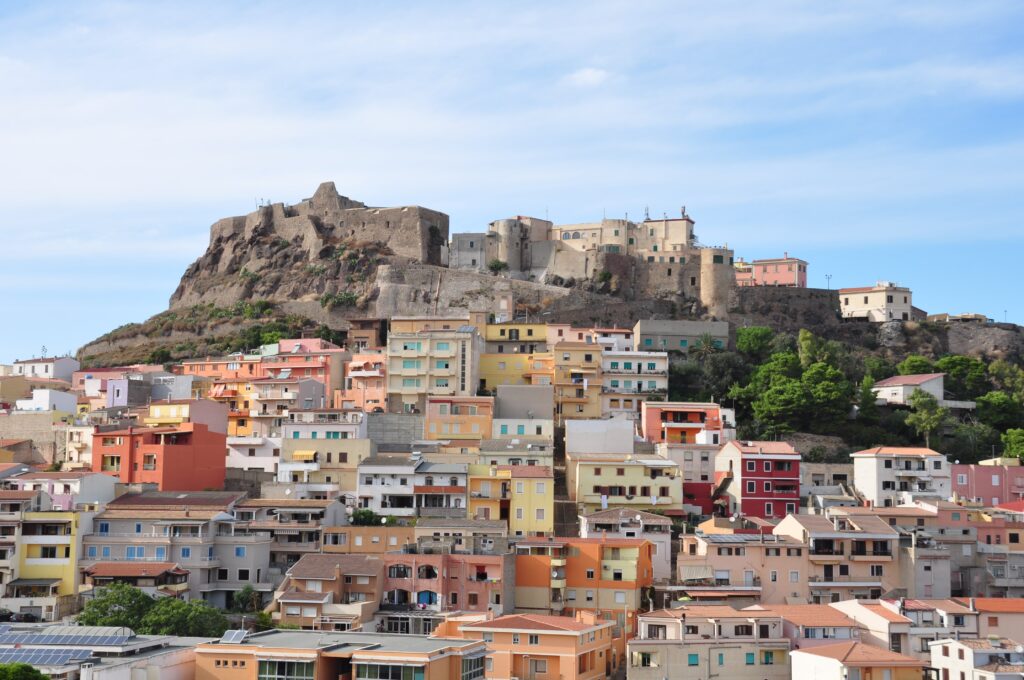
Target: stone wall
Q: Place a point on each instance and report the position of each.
(785, 309)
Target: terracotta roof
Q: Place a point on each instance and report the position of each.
(897, 451)
(994, 605)
(528, 471)
(131, 569)
(860, 654)
(178, 499)
(12, 442)
(986, 643)
(300, 596)
(135, 513)
(328, 566)
(886, 613)
(810, 615)
(70, 474)
(1002, 667)
(11, 495)
(535, 622)
(916, 379)
(1012, 506)
(758, 447)
(877, 511)
(558, 540)
(949, 606)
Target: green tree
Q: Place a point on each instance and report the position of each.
(160, 355)
(497, 266)
(262, 621)
(927, 416)
(867, 406)
(118, 604)
(966, 377)
(247, 599)
(971, 442)
(171, 616)
(1013, 443)
(704, 347)
(999, 410)
(915, 364)
(781, 406)
(1008, 377)
(755, 342)
(719, 372)
(878, 368)
(20, 671)
(828, 394)
(364, 517)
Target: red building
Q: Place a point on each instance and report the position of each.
(757, 479)
(185, 457)
(989, 484)
(780, 271)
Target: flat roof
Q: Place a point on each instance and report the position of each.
(352, 641)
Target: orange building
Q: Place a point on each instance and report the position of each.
(676, 422)
(538, 646)
(613, 576)
(366, 384)
(462, 421)
(186, 457)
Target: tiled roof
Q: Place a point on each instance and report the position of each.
(916, 379)
(617, 514)
(177, 499)
(70, 474)
(528, 471)
(763, 447)
(137, 513)
(860, 654)
(12, 442)
(709, 611)
(299, 596)
(886, 613)
(896, 451)
(534, 622)
(327, 566)
(995, 605)
(987, 643)
(286, 503)
(810, 615)
(11, 495)
(130, 569)
(1012, 506)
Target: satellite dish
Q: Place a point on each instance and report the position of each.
(287, 492)
(383, 520)
(734, 518)
(1019, 649)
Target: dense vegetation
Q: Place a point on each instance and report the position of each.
(780, 383)
(120, 604)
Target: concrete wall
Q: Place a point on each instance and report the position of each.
(394, 428)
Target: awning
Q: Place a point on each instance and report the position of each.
(303, 455)
(696, 573)
(34, 582)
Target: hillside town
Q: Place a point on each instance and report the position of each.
(493, 496)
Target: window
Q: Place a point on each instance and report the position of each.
(590, 573)
(533, 640)
(751, 466)
(515, 638)
(539, 488)
(767, 658)
(750, 658)
(794, 577)
(239, 551)
(692, 659)
(751, 487)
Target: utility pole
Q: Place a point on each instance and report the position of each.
(828, 280)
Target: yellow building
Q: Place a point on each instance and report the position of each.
(463, 422)
(515, 369)
(47, 554)
(237, 395)
(516, 338)
(635, 481)
(577, 381)
(522, 495)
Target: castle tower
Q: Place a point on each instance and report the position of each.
(503, 243)
(716, 280)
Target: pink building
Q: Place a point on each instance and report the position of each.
(421, 578)
(66, 489)
(757, 479)
(989, 484)
(782, 271)
(366, 384)
(307, 358)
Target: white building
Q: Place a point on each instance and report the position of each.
(893, 475)
(54, 368)
(897, 390)
(599, 436)
(254, 453)
(386, 485)
(639, 374)
(48, 400)
(995, 658)
(885, 301)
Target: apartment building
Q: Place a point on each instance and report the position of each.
(53, 368)
(295, 526)
(322, 450)
(440, 363)
(999, 616)
(577, 380)
(329, 592)
(563, 575)
(66, 489)
(522, 495)
(196, 530)
(460, 530)
(515, 338)
(992, 482)
(517, 451)
(685, 422)
(386, 484)
(367, 540)
(366, 383)
(850, 557)
(704, 641)
(156, 579)
(428, 580)
(893, 475)
(273, 399)
(203, 411)
(524, 412)
(743, 568)
(885, 301)
(757, 479)
(994, 658)
(286, 654)
(461, 422)
(678, 335)
(810, 625)
(628, 523)
(910, 626)
(186, 457)
(634, 481)
(515, 369)
(441, 489)
(539, 646)
(630, 379)
(848, 660)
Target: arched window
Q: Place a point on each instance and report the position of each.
(575, 234)
(566, 236)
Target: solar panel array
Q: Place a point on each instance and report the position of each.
(44, 657)
(45, 639)
(234, 636)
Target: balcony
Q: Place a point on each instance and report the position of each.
(919, 474)
(871, 556)
(262, 586)
(449, 513)
(846, 581)
(558, 583)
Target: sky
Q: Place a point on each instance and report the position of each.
(877, 140)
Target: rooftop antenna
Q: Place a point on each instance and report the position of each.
(647, 213)
(44, 352)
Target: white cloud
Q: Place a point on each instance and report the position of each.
(587, 77)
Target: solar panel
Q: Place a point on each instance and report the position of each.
(234, 636)
(45, 639)
(44, 657)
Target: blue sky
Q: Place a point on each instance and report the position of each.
(877, 140)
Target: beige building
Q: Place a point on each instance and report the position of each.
(435, 362)
(743, 569)
(910, 626)
(894, 475)
(885, 301)
(677, 335)
(854, 661)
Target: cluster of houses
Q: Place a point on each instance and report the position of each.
(453, 498)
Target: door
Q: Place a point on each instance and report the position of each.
(829, 572)
(748, 578)
(762, 631)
